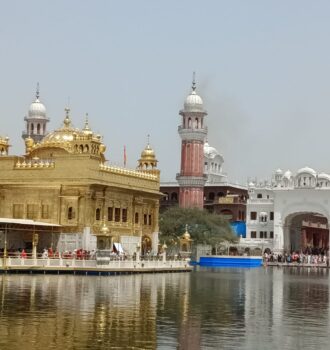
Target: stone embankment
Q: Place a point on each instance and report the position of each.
(294, 264)
(92, 267)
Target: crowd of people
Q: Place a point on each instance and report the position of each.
(308, 257)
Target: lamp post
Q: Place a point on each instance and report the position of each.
(138, 247)
(164, 251)
(35, 238)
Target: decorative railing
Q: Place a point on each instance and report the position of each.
(128, 172)
(61, 263)
(34, 164)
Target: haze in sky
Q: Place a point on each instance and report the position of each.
(262, 69)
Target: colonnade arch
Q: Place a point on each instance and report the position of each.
(306, 231)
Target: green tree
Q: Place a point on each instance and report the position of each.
(204, 227)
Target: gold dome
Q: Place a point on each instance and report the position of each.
(64, 134)
(186, 235)
(148, 153)
(148, 158)
(104, 229)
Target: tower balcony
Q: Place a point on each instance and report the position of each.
(191, 181)
(192, 134)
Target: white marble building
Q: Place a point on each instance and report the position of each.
(213, 162)
(280, 212)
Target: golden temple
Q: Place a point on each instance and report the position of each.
(64, 180)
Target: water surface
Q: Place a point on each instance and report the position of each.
(207, 309)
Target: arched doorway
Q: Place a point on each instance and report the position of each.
(146, 245)
(306, 232)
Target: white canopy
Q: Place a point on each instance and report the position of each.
(119, 248)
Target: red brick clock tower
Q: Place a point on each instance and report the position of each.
(193, 132)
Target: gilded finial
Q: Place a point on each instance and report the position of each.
(67, 121)
(37, 91)
(193, 82)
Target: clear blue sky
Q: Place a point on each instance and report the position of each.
(262, 67)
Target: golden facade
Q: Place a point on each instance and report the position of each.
(64, 180)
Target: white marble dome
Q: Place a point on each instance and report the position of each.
(324, 176)
(287, 174)
(37, 109)
(209, 151)
(193, 103)
(307, 170)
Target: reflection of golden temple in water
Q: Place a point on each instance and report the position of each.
(90, 312)
(243, 309)
(64, 179)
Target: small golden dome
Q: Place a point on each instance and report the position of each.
(102, 148)
(148, 152)
(186, 235)
(148, 158)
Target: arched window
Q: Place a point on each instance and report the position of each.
(196, 123)
(136, 219)
(211, 196)
(71, 213)
(259, 195)
(32, 129)
(38, 129)
(174, 196)
(86, 149)
(81, 149)
(189, 123)
(98, 214)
